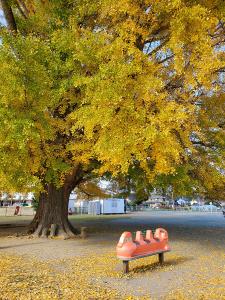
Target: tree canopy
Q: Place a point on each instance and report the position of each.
(103, 85)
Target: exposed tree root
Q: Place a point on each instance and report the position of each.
(51, 219)
(55, 230)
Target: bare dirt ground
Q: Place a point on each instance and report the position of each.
(194, 269)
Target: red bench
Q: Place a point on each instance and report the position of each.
(128, 249)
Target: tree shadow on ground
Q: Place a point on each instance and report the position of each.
(156, 266)
(20, 245)
(204, 235)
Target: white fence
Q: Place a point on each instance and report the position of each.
(10, 211)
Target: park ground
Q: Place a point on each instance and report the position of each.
(88, 269)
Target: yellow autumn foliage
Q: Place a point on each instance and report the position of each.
(113, 82)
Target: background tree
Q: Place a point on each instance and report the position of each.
(102, 85)
(134, 182)
(90, 190)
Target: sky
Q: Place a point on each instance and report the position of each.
(2, 18)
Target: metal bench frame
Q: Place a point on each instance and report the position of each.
(127, 260)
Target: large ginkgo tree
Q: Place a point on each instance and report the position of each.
(99, 86)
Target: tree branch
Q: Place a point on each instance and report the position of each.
(203, 144)
(9, 15)
(165, 59)
(21, 10)
(25, 9)
(156, 49)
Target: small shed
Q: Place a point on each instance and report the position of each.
(106, 206)
(112, 206)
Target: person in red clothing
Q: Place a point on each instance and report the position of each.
(17, 210)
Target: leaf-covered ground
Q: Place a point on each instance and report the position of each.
(90, 277)
(88, 269)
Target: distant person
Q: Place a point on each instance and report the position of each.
(17, 209)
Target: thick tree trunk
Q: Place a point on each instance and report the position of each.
(51, 218)
(39, 212)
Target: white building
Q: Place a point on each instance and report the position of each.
(101, 206)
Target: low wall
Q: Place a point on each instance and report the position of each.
(10, 210)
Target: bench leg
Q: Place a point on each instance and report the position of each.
(125, 266)
(161, 258)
